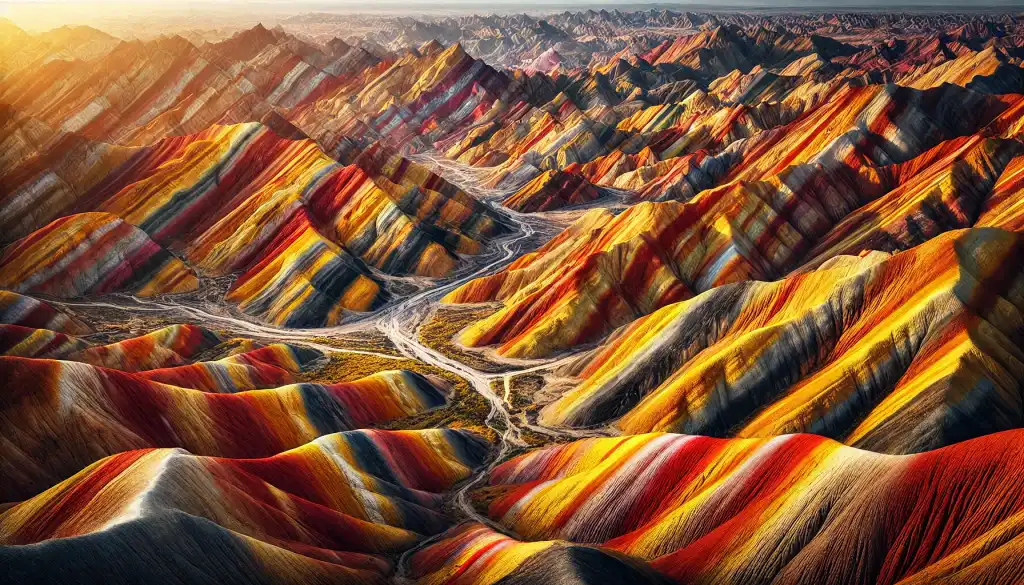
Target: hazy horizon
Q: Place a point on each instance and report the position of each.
(39, 15)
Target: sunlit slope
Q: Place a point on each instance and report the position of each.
(92, 254)
(330, 510)
(876, 168)
(139, 91)
(301, 228)
(809, 510)
(473, 554)
(894, 354)
(601, 272)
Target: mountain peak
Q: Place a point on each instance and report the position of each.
(431, 47)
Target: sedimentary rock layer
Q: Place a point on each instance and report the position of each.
(808, 509)
(330, 510)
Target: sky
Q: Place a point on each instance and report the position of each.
(38, 15)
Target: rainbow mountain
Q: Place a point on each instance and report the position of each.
(605, 296)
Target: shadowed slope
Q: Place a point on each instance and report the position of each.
(552, 190)
(94, 412)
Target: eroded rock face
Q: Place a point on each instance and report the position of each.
(695, 507)
(820, 187)
(552, 190)
(512, 562)
(246, 404)
(888, 353)
(295, 223)
(339, 511)
(92, 254)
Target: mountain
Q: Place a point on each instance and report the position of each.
(158, 390)
(695, 508)
(552, 190)
(235, 517)
(241, 198)
(794, 192)
(92, 254)
(23, 311)
(605, 296)
(492, 557)
(546, 62)
(895, 354)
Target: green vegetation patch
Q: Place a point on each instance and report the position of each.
(439, 330)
